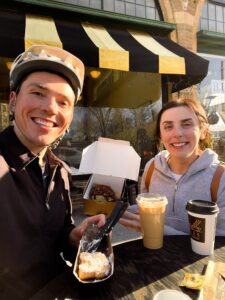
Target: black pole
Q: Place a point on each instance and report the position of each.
(165, 89)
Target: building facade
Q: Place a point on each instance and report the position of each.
(137, 53)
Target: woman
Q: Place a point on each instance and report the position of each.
(185, 169)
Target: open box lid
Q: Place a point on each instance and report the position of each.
(112, 158)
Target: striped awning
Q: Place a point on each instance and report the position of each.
(104, 47)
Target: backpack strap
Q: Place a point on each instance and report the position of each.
(216, 181)
(149, 175)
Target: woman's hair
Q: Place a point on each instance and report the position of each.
(199, 111)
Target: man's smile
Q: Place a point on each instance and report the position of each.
(44, 122)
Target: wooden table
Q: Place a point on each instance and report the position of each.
(139, 273)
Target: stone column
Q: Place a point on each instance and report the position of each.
(186, 15)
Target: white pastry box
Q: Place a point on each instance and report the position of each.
(110, 162)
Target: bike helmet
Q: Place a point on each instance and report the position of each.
(48, 58)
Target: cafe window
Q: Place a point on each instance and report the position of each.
(213, 16)
(148, 9)
(118, 105)
(212, 95)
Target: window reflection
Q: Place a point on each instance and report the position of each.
(212, 94)
(89, 123)
(118, 105)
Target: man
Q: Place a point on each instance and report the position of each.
(36, 226)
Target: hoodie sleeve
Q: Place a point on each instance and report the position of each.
(220, 229)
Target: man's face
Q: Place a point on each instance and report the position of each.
(43, 109)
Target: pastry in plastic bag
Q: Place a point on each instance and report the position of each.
(96, 266)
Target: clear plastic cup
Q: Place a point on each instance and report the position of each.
(152, 212)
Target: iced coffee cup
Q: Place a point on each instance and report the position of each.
(152, 211)
(202, 217)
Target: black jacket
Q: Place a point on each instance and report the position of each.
(34, 225)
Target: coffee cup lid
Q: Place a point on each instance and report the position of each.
(152, 198)
(169, 294)
(202, 207)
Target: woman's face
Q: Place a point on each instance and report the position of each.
(180, 132)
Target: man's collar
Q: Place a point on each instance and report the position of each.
(18, 156)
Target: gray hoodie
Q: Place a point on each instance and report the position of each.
(194, 184)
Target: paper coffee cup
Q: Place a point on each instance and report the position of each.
(202, 217)
(152, 211)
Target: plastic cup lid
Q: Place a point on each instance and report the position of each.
(202, 207)
(171, 295)
(152, 199)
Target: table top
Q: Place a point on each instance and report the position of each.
(139, 272)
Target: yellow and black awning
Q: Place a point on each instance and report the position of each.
(104, 47)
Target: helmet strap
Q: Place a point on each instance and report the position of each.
(55, 144)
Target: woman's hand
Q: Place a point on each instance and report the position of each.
(77, 233)
(131, 218)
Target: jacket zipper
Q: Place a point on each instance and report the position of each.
(175, 189)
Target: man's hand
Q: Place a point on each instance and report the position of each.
(77, 233)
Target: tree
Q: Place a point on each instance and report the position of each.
(102, 114)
